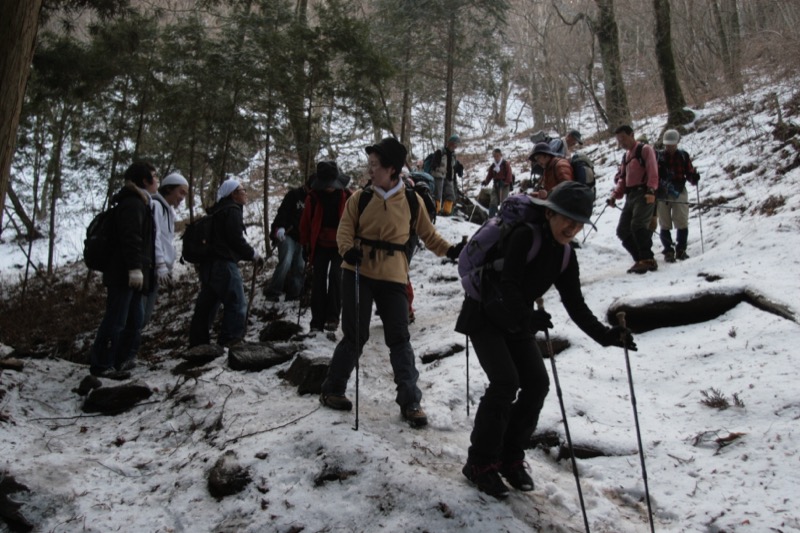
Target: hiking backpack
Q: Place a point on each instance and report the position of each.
(410, 246)
(424, 187)
(582, 169)
(483, 247)
(429, 164)
(197, 239)
(98, 246)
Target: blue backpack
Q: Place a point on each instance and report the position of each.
(478, 255)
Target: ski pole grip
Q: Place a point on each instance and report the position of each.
(621, 319)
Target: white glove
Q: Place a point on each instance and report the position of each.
(135, 279)
(280, 234)
(164, 276)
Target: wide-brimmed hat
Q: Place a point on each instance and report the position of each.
(542, 148)
(575, 134)
(571, 199)
(392, 151)
(326, 176)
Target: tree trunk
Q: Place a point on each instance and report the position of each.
(676, 104)
(19, 209)
(726, 19)
(608, 39)
(267, 150)
(55, 183)
(451, 53)
(19, 23)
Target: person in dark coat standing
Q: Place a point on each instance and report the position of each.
(504, 338)
(129, 276)
(501, 177)
(285, 235)
(318, 225)
(220, 278)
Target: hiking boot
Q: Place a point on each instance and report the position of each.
(130, 364)
(642, 266)
(669, 256)
(111, 373)
(336, 401)
(516, 473)
(414, 415)
(487, 479)
(331, 325)
(681, 255)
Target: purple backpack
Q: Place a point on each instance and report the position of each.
(516, 209)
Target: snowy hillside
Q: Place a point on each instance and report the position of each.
(709, 469)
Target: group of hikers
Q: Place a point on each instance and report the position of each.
(357, 245)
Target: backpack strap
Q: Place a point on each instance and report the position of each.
(390, 247)
(536, 245)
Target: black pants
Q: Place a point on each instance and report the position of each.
(633, 228)
(326, 287)
(509, 410)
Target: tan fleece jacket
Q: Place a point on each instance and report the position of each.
(385, 220)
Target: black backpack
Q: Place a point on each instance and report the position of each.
(413, 241)
(582, 169)
(98, 247)
(197, 239)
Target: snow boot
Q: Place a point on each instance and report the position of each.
(486, 478)
(516, 473)
(414, 415)
(340, 402)
(643, 266)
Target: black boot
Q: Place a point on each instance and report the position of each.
(680, 247)
(666, 239)
(486, 478)
(516, 473)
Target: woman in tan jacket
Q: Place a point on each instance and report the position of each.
(372, 236)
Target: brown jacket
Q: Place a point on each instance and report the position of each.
(557, 170)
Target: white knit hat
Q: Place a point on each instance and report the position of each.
(174, 179)
(671, 137)
(227, 187)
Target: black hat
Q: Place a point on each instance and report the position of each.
(392, 151)
(571, 199)
(575, 134)
(326, 176)
(542, 148)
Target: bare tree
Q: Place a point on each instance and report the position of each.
(676, 104)
(19, 24)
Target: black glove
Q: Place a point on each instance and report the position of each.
(353, 256)
(613, 337)
(540, 321)
(454, 251)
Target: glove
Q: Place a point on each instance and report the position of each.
(164, 277)
(353, 256)
(613, 337)
(650, 196)
(280, 234)
(540, 321)
(258, 261)
(135, 279)
(611, 202)
(454, 251)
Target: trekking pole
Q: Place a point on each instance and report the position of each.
(540, 306)
(358, 336)
(700, 220)
(624, 338)
(252, 293)
(595, 223)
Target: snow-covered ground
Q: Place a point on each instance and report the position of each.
(708, 469)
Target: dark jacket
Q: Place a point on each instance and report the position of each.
(522, 283)
(134, 231)
(505, 176)
(228, 232)
(289, 213)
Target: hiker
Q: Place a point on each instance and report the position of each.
(318, 224)
(502, 333)
(500, 176)
(169, 196)
(220, 278)
(675, 169)
(555, 169)
(285, 236)
(373, 244)
(444, 169)
(129, 276)
(637, 180)
(571, 140)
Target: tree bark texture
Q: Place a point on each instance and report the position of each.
(18, 24)
(607, 34)
(673, 95)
